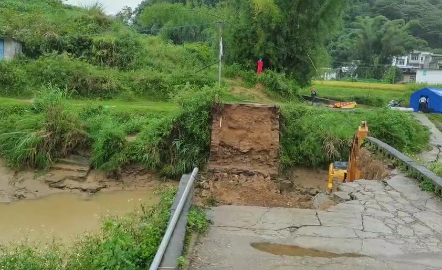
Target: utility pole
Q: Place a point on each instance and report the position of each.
(220, 24)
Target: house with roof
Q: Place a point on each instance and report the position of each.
(9, 48)
(420, 67)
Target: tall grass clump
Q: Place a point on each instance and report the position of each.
(38, 137)
(316, 136)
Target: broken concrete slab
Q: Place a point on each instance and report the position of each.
(405, 231)
(409, 188)
(348, 208)
(362, 234)
(281, 218)
(341, 219)
(431, 219)
(378, 213)
(375, 225)
(421, 230)
(323, 201)
(329, 232)
(341, 196)
(236, 216)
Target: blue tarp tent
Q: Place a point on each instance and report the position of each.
(434, 96)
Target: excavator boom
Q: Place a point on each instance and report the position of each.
(349, 171)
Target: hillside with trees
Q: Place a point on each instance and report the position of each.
(374, 31)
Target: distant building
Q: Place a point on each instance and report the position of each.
(419, 60)
(9, 48)
(429, 76)
(328, 74)
(420, 67)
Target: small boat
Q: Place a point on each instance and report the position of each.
(343, 105)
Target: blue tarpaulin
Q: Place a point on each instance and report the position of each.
(434, 96)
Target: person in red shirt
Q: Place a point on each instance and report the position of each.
(260, 66)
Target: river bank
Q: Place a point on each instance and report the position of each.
(34, 185)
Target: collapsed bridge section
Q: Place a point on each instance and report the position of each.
(245, 139)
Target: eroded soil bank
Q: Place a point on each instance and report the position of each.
(70, 179)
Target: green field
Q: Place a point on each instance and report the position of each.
(363, 85)
(366, 96)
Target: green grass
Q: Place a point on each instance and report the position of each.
(314, 136)
(372, 97)
(363, 85)
(436, 119)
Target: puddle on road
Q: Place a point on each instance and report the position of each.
(66, 215)
(294, 251)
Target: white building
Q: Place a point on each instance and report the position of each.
(419, 60)
(328, 74)
(420, 67)
(9, 48)
(429, 76)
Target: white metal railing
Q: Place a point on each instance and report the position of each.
(172, 224)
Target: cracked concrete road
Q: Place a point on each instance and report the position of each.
(393, 224)
(435, 139)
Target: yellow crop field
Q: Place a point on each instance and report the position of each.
(363, 85)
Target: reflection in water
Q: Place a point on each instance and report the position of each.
(295, 251)
(65, 215)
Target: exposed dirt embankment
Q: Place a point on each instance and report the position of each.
(244, 160)
(245, 139)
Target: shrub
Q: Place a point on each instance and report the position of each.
(394, 75)
(278, 85)
(316, 136)
(12, 80)
(119, 52)
(35, 140)
(78, 78)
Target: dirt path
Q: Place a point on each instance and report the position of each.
(435, 138)
(394, 226)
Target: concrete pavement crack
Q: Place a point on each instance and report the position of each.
(260, 218)
(319, 220)
(363, 227)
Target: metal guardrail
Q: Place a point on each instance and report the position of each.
(423, 172)
(173, 222)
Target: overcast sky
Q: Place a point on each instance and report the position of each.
(111, 6)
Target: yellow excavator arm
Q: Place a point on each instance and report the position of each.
(349, 171)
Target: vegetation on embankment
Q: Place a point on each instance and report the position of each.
(168, 141)
(171, 140)
(128, 242)
(316, 136)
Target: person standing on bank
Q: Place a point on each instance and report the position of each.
(422, 103)
(314, 94)
(260, 66)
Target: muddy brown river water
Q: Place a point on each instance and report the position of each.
(66, 215)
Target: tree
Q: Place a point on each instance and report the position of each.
(427, 12)
(374, 42)
(126, 15)
(178, 22)
(289, 34)
(377, 40)
(394, 75)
